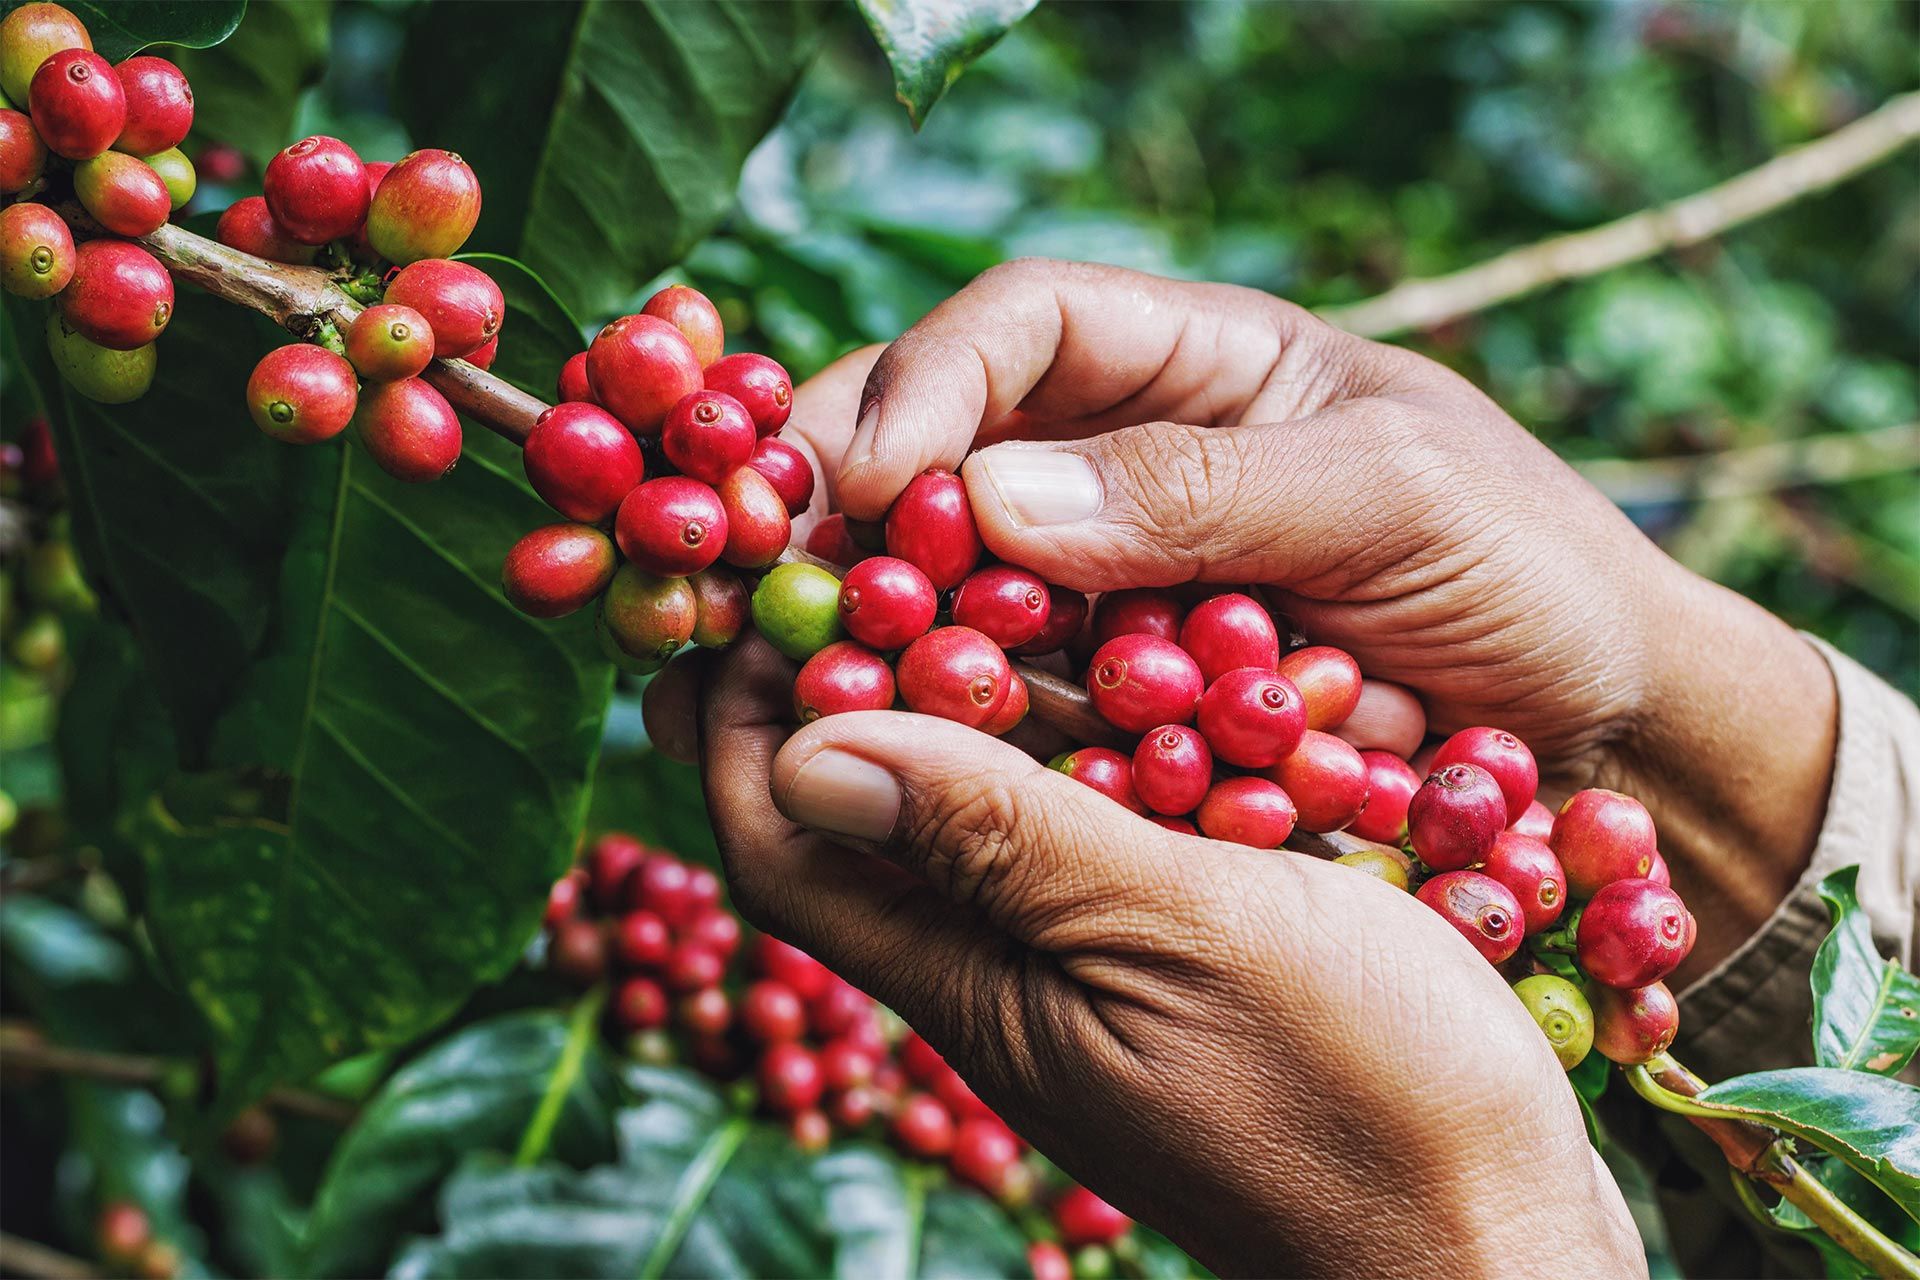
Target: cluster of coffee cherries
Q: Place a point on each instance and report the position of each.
(686, 984)
(664, 456)
(75, 126)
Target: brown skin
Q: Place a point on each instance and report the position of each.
(1227, 1043)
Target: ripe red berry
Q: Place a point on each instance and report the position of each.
(358, 246)
(1085, 1219)
(159, 105)
(720, 607)
(1139, 681)
(462, 304)
(986, 1155)
(714, 928)
(247, 225)
(1391, 783)
(846, 1065)
(1249, 811)
(611, 863)
(758, 527)
(1658, 872)
(922, 1126)
(955, 673)
(1327, 780)
(707, 435)
(37, 254)
(1635, 1025)
(887, 603)
(1500, 754)
(302, 394)
(1455, 815)
(671, 526)
(641, 940)
(1012, 711)
(1138, 611)
(1526, 866)
(789, 1077)
(640, 1004)
(692, 968)
(122, 1230)
(119, 297)
(29, 36)
(23, 157)
(844, 676)
(1252, 717)
(409, 429)
(706, 1012)
(1066, 614)
(839, 1009)
(757, 382)
(829, 541)
(1329, 680)
(1172, 769)
(1484, 911)
(787, 470)
(574, 387)
(317, 190)
(425, 207)
(1599, 837)
(1537, 822)
(703, 894)
(811, 1131)
(556, 569)
(122, 192)
(579, 952)
(563, 899)
(389, 342)
(664, 885)
(784, 962)
(1106, 771)
(1006, 604)
(772, 1013)
(1227, 632)
(639, 367)
(647, 616)
(1048, 1261)
(77, 104)
(583, 463)
(1179, 826)
(694, 315)
(1632, 933)
(482, 356)
(930, 525)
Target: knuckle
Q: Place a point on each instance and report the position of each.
(1185, 478)
(970, 842)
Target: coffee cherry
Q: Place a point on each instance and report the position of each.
(1106, 771)
(771, 1013)
(28, 37)
(160, 1260)
(757, 382)
(930, 525)
(250, 1137)
(1537, 822)
(693, 314)
(758, 527)
(1008, 605)
(796, 608)
(1658, 872)
(640, 1004)
(714, 928)
(1251, 717)
(409, 430)
(425, 207)
(708, 435)
(845, 1065)
(842, 1010)
(1085, 1219)
(563, 899)
(1012, 711)
(786, 469)
(639, 367)
(302, 394)
(1179, 826)
(1391, 784)
(954, 673)
(1633, 932)
(221, 163)
(672, 526)
(579, 952)
(612, 863)
(1480, 907)
(1329, 680)
(1139, 681)
(1066, 614)
(99, 373)
(828, 540)
(119, 296)
(703, 894)
(691, 968)
(1249, 811)
(1634, 1026)
(482, 357)
(868, 535)
(987, 1155)
(37, 255)
(1172, 769)
(1389, 866)
(789, 1078)
(887, 603)
(663, 885)
(122, 1229)
(1454, 817)
(1562, 1014)
(811, 1131)
(159, 105)
(555, 570)
(844, 676)
(641, 940)
(583, 463)
(784, 962)
(1226, 632)
(721, 607)
(1138, 611)
(390, 342)
(1526, 866)
(23, 157)
(77, 104)
(1602, 836)
(922, 1127)
(248, 225)
(1500, 754)
(706, 1013)
(176, 174)
(647, 616)
(122, 193)
(316, 190)
(1048, 1261)
(574, 387)
(462, 304)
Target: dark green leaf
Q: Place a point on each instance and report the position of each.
(930, 42)
(659, 800)
(896, 1219)
(1866, 1009)
(247, 90)
(965, 1236)
(120, 28)
(1869, 1121)
(1589, 1081)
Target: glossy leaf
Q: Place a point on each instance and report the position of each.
(120, 28)
(930, 42)
(1869, 1121)
(1866, 1009)
(246, 91)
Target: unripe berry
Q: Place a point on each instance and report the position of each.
(1138, 611)
(828, 541)
(772, 1013)
(1106, 771)
(1327, 780)
(77, 104)
(1634, 1026)
(1008, 605)
(787, 470)
(844, 676)
(930, 525)
(1483, 910)
(1251, 717)
(1602, 836)
(159, 105)
(789, 1078)
(37, 255)
(1537, 822)
(316, 190)
(639, 367)
(302, 394)
(647, 616)
(1226, 632)
(579, 952)
(390, 342)
(176, 174)
(640, 1004)
(887, 603)
(796, 609)
(248, 225)
(1249, 811)
(28, 37)
(23, 157)
(119, 296)
(1172, 769)
(552, 571)
(1454, 817)
(409, 430)
(1633, 932)
(1501, 755)
(784, 962)
(1066, 614)
(721, 608)
(99, 373)
(641, 940)
(693, 314)
(708, 435)
(758, 527)
(583, 464)
(1562, 1014)
(1526, 866)
(573, 385)
(122, 193)
(1391, 783)
(1139, 681)
(955, 673)
(811, 1131)
(1084, 1218)
(1329, 680)
(425, 207)
(1389, 866)
(462, 304)
(922, 1126)
(759, 383)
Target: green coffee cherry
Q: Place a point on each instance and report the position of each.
(797, 608)
(97, 372)
(1562, 1014)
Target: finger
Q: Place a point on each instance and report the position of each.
(824, 409)
(670, 707)
(1387, 718)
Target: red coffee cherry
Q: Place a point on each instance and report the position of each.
(1329, 679)
(829, 541)
(846, 1065)
(316, 190)
(159, 104)
(552, 571)
(647, 616)
(922, 1127)
(671, 526)
(583, 463)
(482, 357)
(122, 192)
(1635, 1025)
(1391, 783)
(789, 1077)
(1066, 614)
(1012, 711)
(642, 940)
(707, 1013)
(1481, 908)
(77, 104)
(1106, 771)
(1537, 822)
(758, 527)
(694, 315)
(716, 929)
(563, 899)
(787, 470)
(1327, 780)
(390, 342)
(248, 225)
(784, 962)
(664, 885)
(1500, 754)
(1633, 932)
(29, 36)
(772, 1013)
(574, 387)
(1006, 604)
(23, 157)
(1526, 866)
(1085, 1219)
(721, 607)
(358, 246)
(1599, 837)
(1179, 826)
(1455, 815)
(811, 1131)
(1172, 769)
(930, 525)
(302, 394)
(986, 1155)
(424, 207)
(1250, 811)
(954, 673)
(1048, 1261)
(579, 952)
(1139, 681)
(844, 676)
(691, 968)
(1252, 717)
(757, 382)
(119, 296)
(1658, 872)
(122, 1230)
(1138, 611)
(409, 430)
(611, 864)
(703, 894)
(1227, 632)
(462, 304)
(639, 367)
(37, 255)
(707, 435)
(640, 1004)
(887, 603)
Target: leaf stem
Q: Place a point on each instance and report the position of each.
(580, 1027)
(695, 1185)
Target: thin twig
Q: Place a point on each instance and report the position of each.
(30, 1258)
(1831, 458)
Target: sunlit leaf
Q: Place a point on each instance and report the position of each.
(1866, 1009)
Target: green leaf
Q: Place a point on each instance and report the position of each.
(120, 28)
(540, 334)
(247, 90)
(477, 1091)
(659, 800)
(1866, 1009)
(609, 134)
(896, 1219)
(1589, 1081)
(1866, 1120)
(930, 42)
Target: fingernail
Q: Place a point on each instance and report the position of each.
(1041, 486)
(860, 449)
(843, 795)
